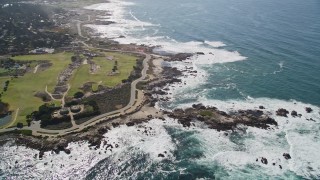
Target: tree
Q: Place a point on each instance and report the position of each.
(115, 68)
(20, 125)
(78, 95)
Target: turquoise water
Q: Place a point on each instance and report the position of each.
(279, 38)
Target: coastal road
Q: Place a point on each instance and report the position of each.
(132, 105)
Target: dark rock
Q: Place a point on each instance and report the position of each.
(274, 164)
(102, 130)
(280, 166)
(130, 124)
(199, 106)
(264, 160)
(222, 113)
(161, 155)
(115, 125)
(216, 119)
(41, 153)
(160, 92)
(180, 57)
(286, 156)
(309, 110)
(109, 146)
(67, 151)
(294, 114)
(282, 112)
(200, 118)
(200, 53)
(261, 107)
(95, 141)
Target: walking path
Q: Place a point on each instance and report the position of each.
(133, 104)
(15, 118)
(36, 69)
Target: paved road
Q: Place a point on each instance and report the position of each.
(132, 105)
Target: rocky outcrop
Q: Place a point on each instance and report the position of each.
(180, 57)
(161, 155)
(286, 156)
(308, 109)
(264, 160)
(220, 120)
(282, 112)
(294, 113)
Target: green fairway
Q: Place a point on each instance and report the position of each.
(21, 90)
(83, 75)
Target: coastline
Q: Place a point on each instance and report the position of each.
(155, 91)
(258, 133)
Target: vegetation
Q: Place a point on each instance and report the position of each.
(206, 113)
(24, 132)
(22, 89)
(78, 95)
(45, 115)
(113, 99)
(90, 109)
(58, 126)
(124, 65)
(25, 26)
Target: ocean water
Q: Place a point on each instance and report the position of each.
(255, 53)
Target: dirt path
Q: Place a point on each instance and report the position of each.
(64, 95)
(15, 117)
(35, 69)
(46, 90)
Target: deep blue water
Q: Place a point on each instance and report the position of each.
(281, 40)
(269, 33)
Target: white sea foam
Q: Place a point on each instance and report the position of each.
(215, 44)
(128, 25)
(6, 5)
(301, 137)
(217, 147)
(134, 30)
(21, 161)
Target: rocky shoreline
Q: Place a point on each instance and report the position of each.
(211, 116)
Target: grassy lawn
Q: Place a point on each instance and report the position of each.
(21, 90)
(83, 75)
(2, 81)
